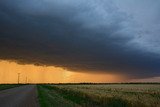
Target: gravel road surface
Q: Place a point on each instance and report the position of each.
(23, 96)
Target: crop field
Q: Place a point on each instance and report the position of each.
(100, 95)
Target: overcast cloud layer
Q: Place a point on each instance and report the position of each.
(83, 35)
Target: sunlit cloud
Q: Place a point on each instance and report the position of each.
(42, 74)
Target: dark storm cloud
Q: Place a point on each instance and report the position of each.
(81, 35)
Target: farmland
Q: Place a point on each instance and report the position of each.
(100, 95)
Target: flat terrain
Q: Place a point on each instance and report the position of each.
(110, 95)
(22, 96)
(81, 95)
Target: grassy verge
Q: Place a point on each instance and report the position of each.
(8, 86)
(50, 98)
(42, 96)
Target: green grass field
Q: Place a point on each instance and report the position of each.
(100, 95)
(7, 86)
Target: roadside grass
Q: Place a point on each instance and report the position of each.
(42, 97)
(8, 86)
(50, 98)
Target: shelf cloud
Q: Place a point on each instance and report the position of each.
(83, 35)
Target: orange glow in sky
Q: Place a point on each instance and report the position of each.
(48, 74)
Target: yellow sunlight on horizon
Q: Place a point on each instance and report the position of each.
(48, 74)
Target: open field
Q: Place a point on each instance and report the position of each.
(111, 95)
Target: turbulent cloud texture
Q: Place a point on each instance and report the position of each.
(83, 35)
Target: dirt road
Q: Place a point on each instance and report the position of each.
(23, 96)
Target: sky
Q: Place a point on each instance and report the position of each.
(108, 40)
